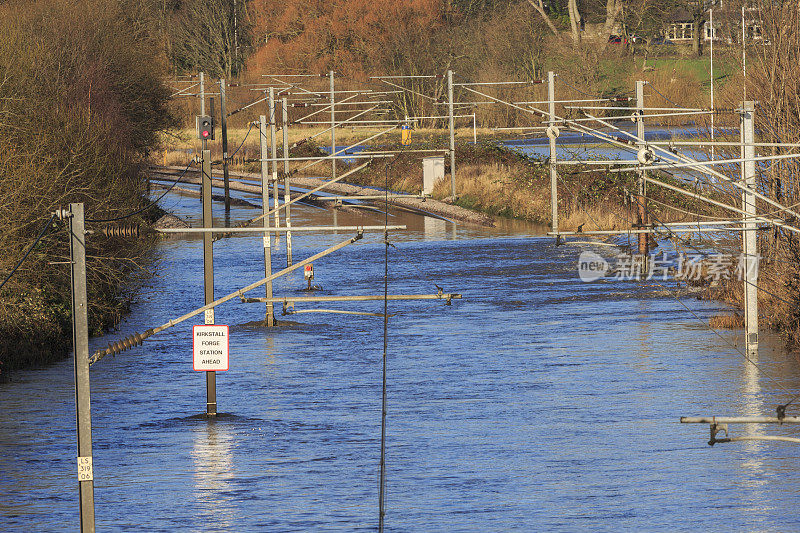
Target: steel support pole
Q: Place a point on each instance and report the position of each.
(204, 142)
(224, 124)
(744, 57)
(262, 128)
(452, 123)
(202, 94)
(80, 343)
(711, 62)
(551, 97)
(474, 129)
(287, 192)
(641, 212)
(333, 127)
(749, 243)
(208, 275)
(274, 154)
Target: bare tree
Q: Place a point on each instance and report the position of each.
(613, 12)
(207, 34)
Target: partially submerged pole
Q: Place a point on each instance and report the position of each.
(452, 124)
(641, 211)
(552, 134)
(749, 243)
(80, 339)
(274, 156)
(262, 129)
(224, 123)
(208, 275)
(333, 127)
(287, 193)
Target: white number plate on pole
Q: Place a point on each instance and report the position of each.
(85, 472)
(210, 348)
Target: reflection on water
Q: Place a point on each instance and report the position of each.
(436, 229)
(213, 470)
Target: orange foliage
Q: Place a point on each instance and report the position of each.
(351, 37)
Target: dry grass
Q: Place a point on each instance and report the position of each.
(496, 189)
(726, 322)
(179, 147)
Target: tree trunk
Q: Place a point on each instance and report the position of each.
(613, 9)
(574, 21)
(697, 35)
(539, 7)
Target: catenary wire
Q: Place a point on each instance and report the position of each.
(30, 249)
(148, 206)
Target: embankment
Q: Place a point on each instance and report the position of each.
(422, 205)
(83, 88)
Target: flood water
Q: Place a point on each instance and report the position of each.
(536, 403)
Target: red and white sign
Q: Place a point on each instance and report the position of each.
(210, 348)
(309, 271)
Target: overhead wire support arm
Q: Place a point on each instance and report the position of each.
(631, 142)
(410, 76)
(180, 92)
(719, 424)
(282, 229)
(297, 199)
(696, 164)
(634, 116)
(621, 108)
(528, 82)
(326, 130)
(702, 167)
(447, 297)
(326, 107)
(251, 104)
(137, 338)
(410, 90)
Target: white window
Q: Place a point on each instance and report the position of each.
(709, 32)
